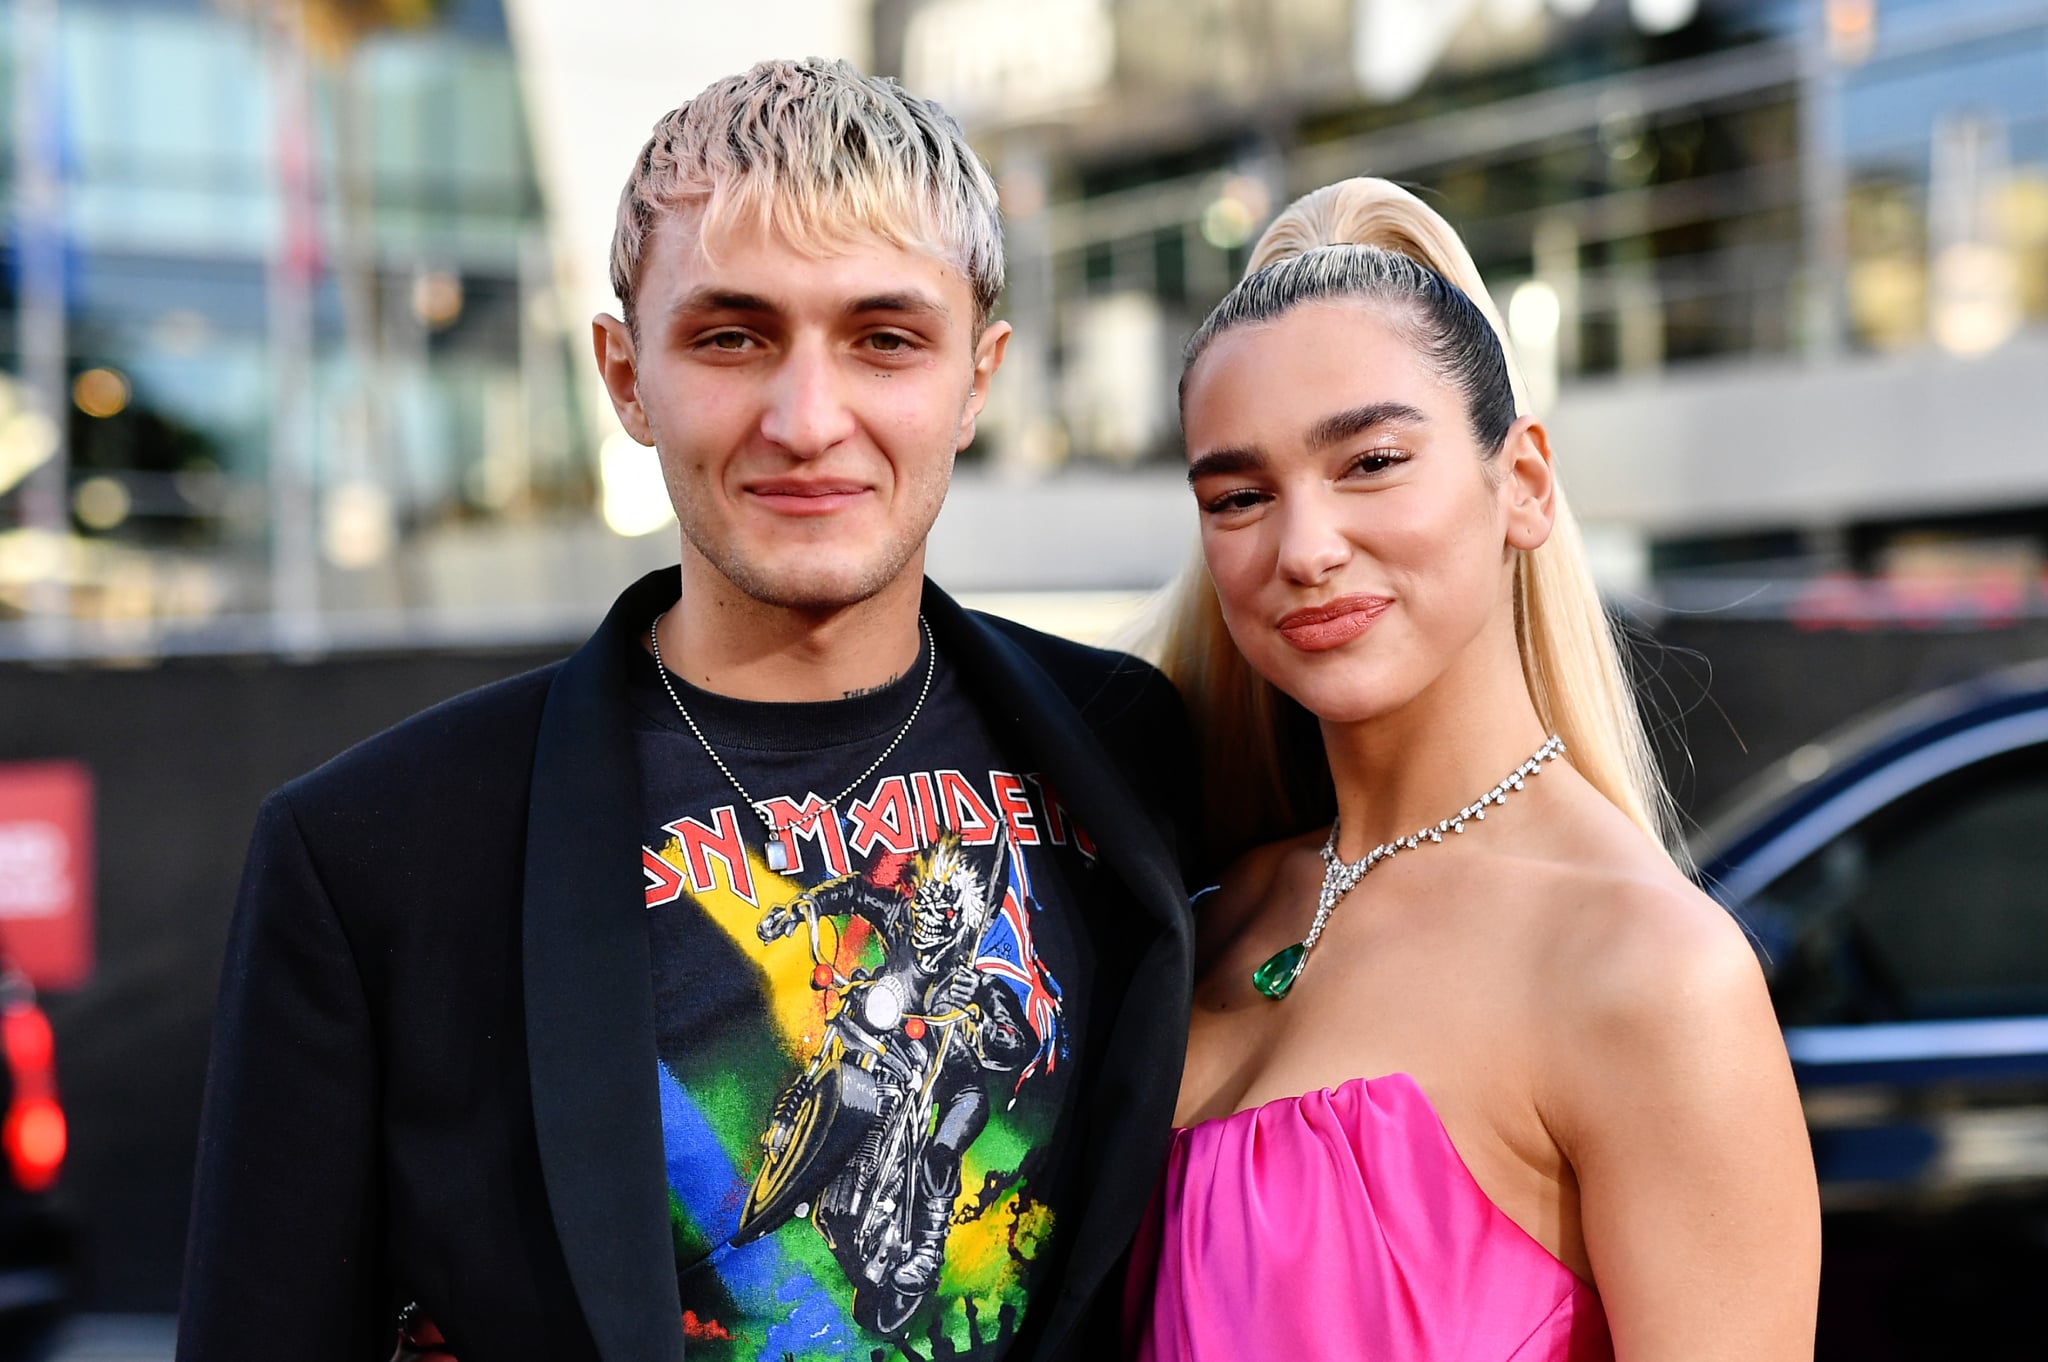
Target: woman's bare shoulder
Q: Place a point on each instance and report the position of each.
(1645, 978)
(1647, 944)
(1616, 909)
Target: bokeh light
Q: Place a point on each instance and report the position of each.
(101, 392)
(635, 498)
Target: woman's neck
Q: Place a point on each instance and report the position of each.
(1418, 765)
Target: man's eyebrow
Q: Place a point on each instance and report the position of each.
(713, 299)
(1222, 462)
(905, 302)
(1347, 424)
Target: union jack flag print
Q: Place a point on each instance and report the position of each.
(1008, 952)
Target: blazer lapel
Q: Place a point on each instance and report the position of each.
(589, 1004)
(1126, 1124)
(1031, 714)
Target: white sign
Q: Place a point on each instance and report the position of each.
(983, 58)
(1395, 44)
(35, 870)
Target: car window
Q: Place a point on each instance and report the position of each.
(1934, 906)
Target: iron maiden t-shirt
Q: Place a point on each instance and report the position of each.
(868, 1025)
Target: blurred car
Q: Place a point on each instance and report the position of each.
(1894, 878)
(34, 1241)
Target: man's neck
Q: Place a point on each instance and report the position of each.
(720, 639)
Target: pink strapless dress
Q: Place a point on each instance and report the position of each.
(1342, 1226)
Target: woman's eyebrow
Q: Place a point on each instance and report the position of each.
(1346, 425)
(1225, 461)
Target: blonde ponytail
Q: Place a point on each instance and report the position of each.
(1266, 778)
(1369, 212)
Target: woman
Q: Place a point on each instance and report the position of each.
(1475, 1073)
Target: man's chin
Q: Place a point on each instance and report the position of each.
(814, 588)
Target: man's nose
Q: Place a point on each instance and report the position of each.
(808, 411)
(1312, 542)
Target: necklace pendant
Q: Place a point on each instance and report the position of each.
(1277, 976)
(778, 855)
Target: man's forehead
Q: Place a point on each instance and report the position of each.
(830, 268)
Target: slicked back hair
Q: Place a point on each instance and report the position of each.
(1437, 316)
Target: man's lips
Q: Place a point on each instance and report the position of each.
(1318, 628)
(806, 496)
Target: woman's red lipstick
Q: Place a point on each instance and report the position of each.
(1318, 628)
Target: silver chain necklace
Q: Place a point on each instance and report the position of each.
(1277, 975)
(777, 853)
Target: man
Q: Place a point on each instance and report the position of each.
(800, 969)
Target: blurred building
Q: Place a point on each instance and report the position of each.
(303, 301)
(1779, 270)
(309, 286)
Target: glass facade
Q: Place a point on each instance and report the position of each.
(436, 382)
(1768, 178)
(1945, 152)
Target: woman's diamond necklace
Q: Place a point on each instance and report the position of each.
(1277, 976)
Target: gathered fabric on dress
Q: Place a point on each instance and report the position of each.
(1342, 1226)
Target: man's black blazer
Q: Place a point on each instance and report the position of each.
(432, 1070)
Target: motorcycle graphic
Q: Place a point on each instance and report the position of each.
(866, 1142)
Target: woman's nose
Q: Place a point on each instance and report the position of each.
(1312, 545)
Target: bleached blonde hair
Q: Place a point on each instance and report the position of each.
(816, 154)
(1267, 775)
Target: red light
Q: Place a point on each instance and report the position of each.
(914, 1028)
(36, 1139)
(26, 1034)
(821, 977)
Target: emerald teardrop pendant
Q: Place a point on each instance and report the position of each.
(1277, 975)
